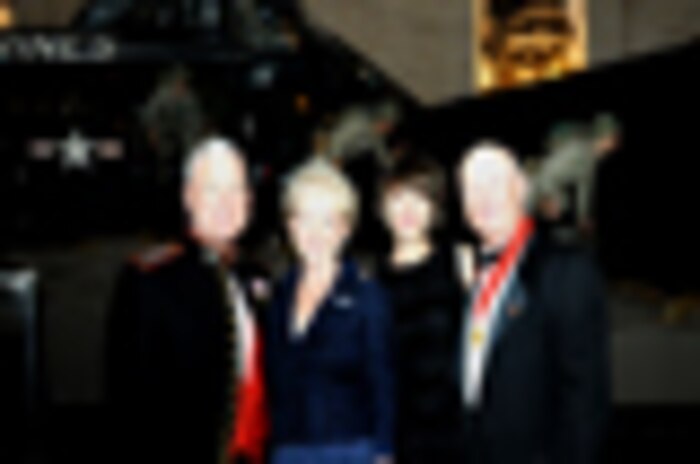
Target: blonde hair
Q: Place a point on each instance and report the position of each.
(319, 173)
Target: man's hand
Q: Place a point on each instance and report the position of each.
(384, 460)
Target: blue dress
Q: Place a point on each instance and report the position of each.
(361, 452)
(330, 388)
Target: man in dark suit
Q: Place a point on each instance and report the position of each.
(533, 362)
(184, 355)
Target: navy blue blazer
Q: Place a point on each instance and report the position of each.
(334, 383)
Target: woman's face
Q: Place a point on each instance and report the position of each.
(407, 212)
(317, 228)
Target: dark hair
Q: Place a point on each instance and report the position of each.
(419, 173)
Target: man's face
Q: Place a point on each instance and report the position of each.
(493, 193)
(217, 198)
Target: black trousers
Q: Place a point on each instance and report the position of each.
(433, 446)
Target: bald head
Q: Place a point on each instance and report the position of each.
(493, 190)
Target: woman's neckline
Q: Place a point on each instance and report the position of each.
(412, 265)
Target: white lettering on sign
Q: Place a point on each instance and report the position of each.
(63, 48)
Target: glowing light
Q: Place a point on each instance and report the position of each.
(533, 44)
(7, 18)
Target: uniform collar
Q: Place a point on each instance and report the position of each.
(206, 255)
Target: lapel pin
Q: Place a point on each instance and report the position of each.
(514, 310)
(343, 302)
(260, 289)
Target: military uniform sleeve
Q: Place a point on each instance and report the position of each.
(133, 345)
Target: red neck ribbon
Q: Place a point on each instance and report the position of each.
(503, 267)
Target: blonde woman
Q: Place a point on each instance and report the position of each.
(328, 356)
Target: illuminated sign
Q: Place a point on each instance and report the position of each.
(529, 42)
(56, 48)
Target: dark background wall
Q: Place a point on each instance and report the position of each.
(427, 46)
(648, 191)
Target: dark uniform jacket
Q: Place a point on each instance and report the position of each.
(168, 361)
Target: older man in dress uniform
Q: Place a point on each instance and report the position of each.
(184, 374)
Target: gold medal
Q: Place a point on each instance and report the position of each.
(477, 337)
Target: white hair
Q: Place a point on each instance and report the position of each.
(490, 149)
(210, 148)
(320, 173)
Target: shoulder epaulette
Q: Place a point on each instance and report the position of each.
(156, 256)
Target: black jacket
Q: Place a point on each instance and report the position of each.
(546, 386)
(167, 357)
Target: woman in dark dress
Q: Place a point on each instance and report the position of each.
(424, 283)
